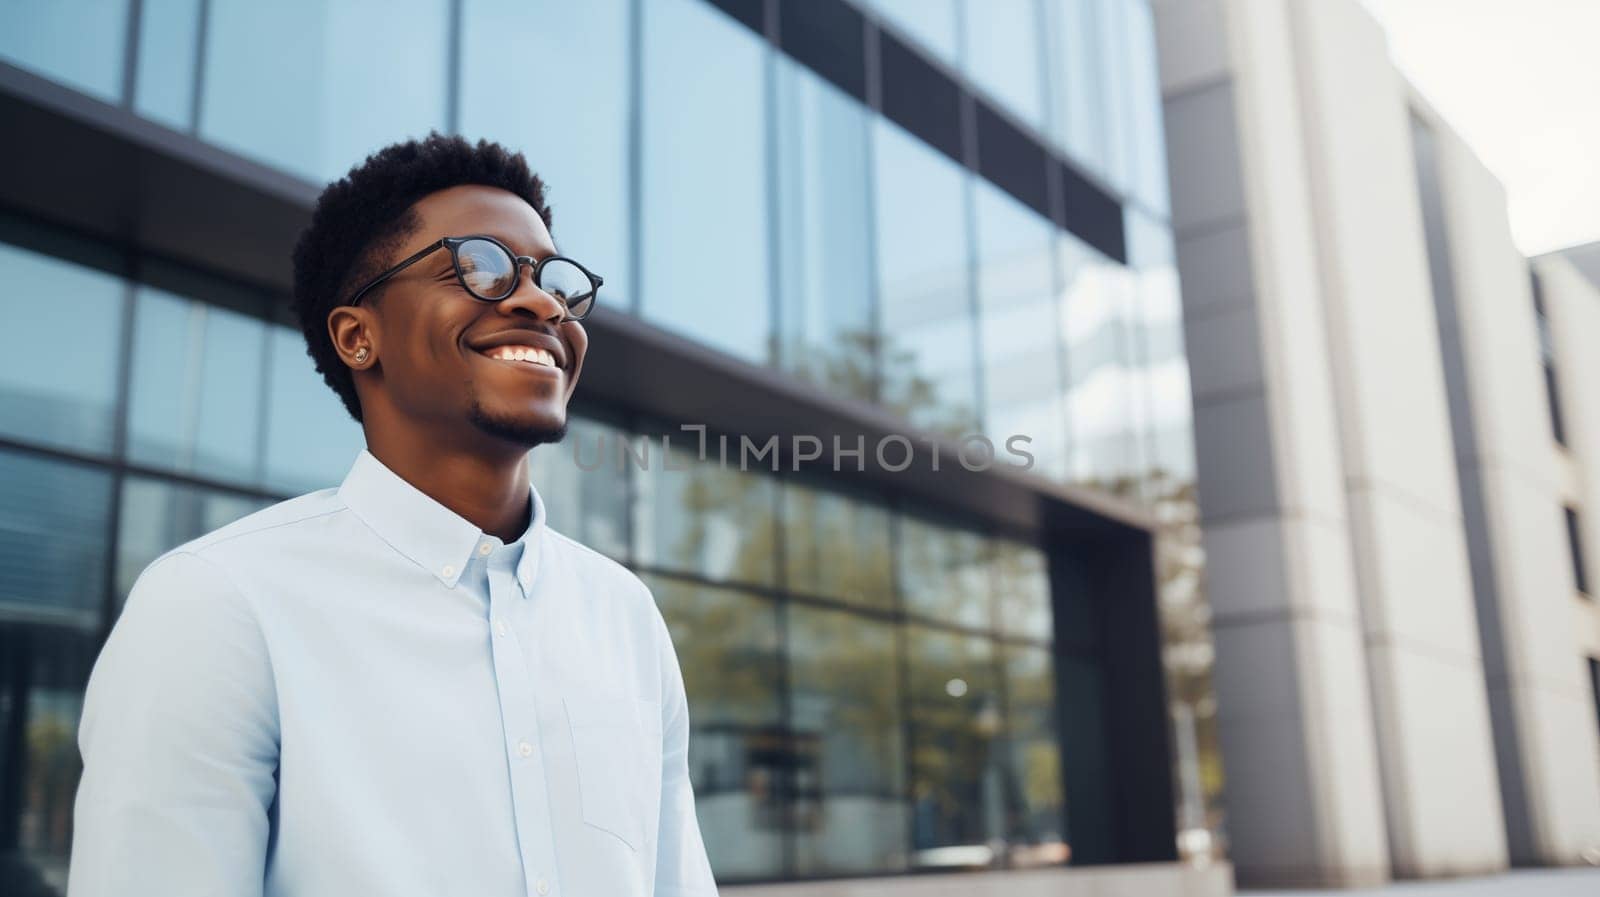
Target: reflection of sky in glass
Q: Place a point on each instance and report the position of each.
(1103, 401)
(58, 392)
(931, 23)
(1078, 110)
(157, 515)
(1148, 134)
(314, 87)
(1164, 361)
(53, 514)
(573, 130)
(168, 40)
(79, 43)
(923, 270)
(195, 404)
(1021, 349)
(1112, 84)
(1002, 55)
(705, 211)
(824, 238)
(311, 439)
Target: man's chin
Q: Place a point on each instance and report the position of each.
(529, 431)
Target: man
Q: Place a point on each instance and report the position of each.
(409, 684)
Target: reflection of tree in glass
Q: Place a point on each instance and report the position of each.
(726, 641)
(836, 546)
(844, 665)
(954, 750)
(53, 771)
(1022, 589)
(1187, 646)
(845, 367)
(1035, 749)
(737, 505)
(945, 572)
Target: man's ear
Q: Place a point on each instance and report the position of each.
(354, 332)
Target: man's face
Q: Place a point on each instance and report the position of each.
(434, 361)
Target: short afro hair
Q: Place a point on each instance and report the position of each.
(366, 215)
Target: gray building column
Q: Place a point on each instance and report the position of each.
(1350, 684)
(1294, 707)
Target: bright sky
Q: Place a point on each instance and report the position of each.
(1519, 80)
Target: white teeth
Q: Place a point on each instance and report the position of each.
(528, 354)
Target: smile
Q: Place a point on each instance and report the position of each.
(523, 355)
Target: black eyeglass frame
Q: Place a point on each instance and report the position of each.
(454, 244)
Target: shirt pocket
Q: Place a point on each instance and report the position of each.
(609, 741)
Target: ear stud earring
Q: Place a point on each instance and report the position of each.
(361, 354)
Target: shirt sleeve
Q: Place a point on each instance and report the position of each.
(682, 868)
(179, 738)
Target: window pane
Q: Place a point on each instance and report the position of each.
(698, 517)
(1037, 829)
(945, 573)
(53, 519)
(931, 23)
(158, 516)
(168, 39)
(314, 87)
(850, 809)
(584, 161)
(924, 284)
(59, 393)
(1078, 84)
(1003, 55)
(196, 399)
(957, 764)
(311, 439)
(1023, 393)
(1146, 131)
(1112, 80)
(1104, 446)
(1162, 363)
(836, 547)
(824, 239)
(705, 213)
(584, 486)
(80, 43)
(41, 699)
(1022, 591)
(727, 645)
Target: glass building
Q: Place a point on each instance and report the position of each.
(935, 218)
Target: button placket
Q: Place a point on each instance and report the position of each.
(521, 732)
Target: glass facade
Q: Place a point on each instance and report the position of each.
(882, 695)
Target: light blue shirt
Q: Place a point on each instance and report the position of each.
(359, 692)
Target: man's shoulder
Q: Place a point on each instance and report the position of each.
(283, 520)
(595, 566)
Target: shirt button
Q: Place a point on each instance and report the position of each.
(524, 748)
(448, 571)
(544, 886)
(500, 627)
(485, 548)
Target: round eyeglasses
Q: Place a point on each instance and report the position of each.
(489, 270)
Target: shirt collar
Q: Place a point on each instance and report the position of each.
(431, 535)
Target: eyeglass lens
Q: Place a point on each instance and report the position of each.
(491, 273)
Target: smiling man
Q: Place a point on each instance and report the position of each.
(408, 684)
